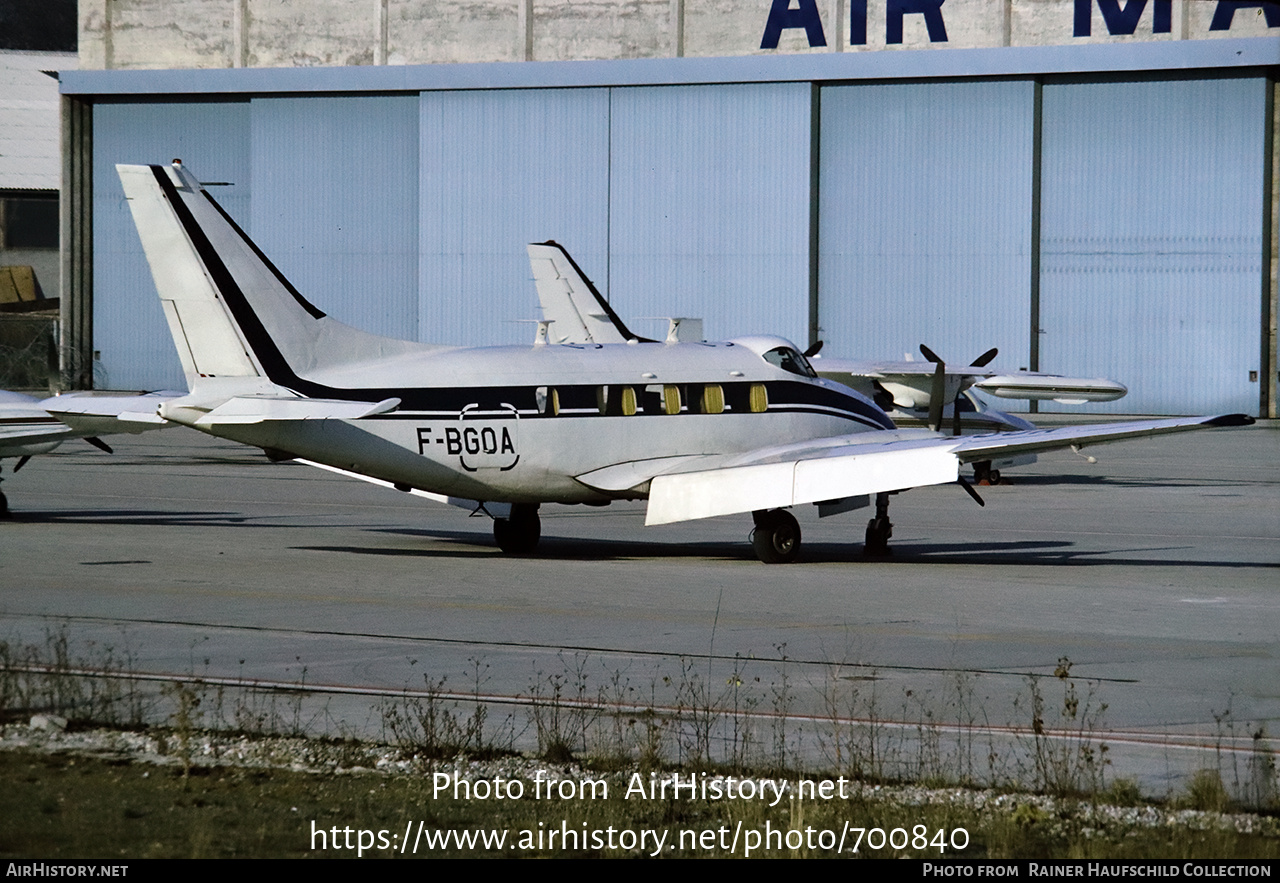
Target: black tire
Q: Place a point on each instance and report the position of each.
(879, 530)
(4, 507)
(776, 539)
(519, 534)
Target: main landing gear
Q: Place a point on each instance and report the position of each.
(4, 503)
(984, 475)
(879, 530)
(776, 538)
(519, 533)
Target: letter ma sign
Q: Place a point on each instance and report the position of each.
(1120, 17)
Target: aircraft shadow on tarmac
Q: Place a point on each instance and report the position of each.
(1120, 481)
(1021, 553)
(155, 518)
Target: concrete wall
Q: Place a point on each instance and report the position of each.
(124, 34)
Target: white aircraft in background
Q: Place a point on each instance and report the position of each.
(697, 429)
(913, 394)
(27, 428)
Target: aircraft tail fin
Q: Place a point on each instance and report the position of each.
(581, 314)
(230, 311)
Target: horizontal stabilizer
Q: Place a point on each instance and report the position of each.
(259, 409)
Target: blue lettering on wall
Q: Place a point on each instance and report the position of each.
(783, 17)
(894, 11)
(930, 9)
(1227, 8)
(858, 22)
(1123, 19)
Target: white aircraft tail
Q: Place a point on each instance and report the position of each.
(581, 314)
(230, 311)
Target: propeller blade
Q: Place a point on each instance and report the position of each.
(936, 394)
(964, 483)
(985, 358)
(955, 415)
(929, 354)
(21, 462)
(813, 350)
(98, 443)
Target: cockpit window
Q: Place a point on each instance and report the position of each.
(789, 360)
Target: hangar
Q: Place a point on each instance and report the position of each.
(1093, 208)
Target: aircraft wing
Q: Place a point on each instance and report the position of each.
(911, 382)
(867, 463)
(26, 428)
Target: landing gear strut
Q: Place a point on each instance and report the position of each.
(518, 534)
(4, 504)
(776, 538)
(879, 530)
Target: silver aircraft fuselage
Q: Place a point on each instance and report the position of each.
(521, 424)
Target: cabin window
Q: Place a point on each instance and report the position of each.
(671, 399)
(627, 399)
(616, 401)
(712, 399)
(759, 398)
(547, 400)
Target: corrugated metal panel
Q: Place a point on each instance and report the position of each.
(213, 140)
(338, 211)
(1151, 240)
(501, 170)
(709, 207)
(925, 230)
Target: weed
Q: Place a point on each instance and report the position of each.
(1205, 791)
(1068, 758)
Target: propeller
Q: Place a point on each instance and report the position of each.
(98, 443)
(813, 350)
(938, 390)
(964, 483)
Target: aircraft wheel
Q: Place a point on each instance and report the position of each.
(879, 530)
(519, 534)
(4, 507)
(776, 538)
(994, 476)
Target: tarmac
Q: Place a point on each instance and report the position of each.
(1149, 581)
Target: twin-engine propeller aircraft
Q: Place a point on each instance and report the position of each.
(697, 429)
(913, 394)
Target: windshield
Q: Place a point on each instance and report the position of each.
(789, 360)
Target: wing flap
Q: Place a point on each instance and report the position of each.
(689, 495)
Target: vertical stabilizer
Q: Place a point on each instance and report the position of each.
(579, 313)
(231, 312)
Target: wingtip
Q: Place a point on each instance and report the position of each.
(1231, 420)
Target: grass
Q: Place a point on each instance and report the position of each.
(58, 806)
(1045, 786)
